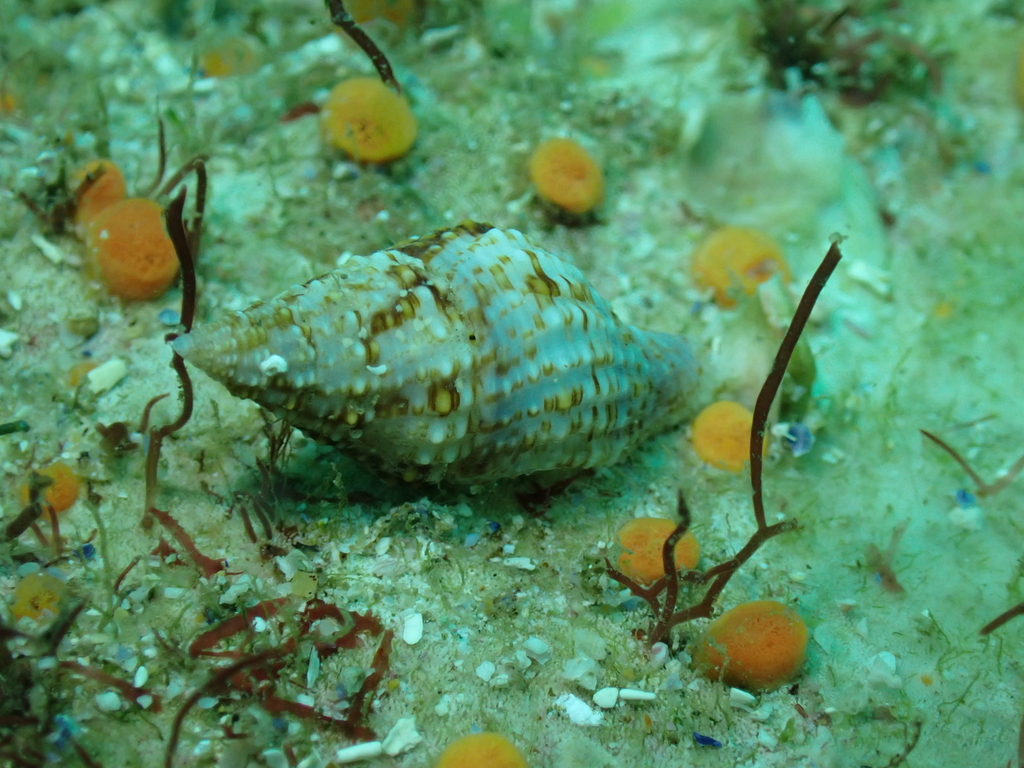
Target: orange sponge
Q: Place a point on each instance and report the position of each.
(37, 596)
(129, 245)
(755, 646)
(643, 539)
(368, 120)
(64, 490)
(230, 56)
(566, 175)
(398, 12)
(481, 750)
(98, 184)
(721, 435)
(736, 258)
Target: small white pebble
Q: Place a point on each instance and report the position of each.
(485, 670)
(606, 698)
(523, 563)
(766, 740)
(537, 649)
(882, 670)
(7, 339)
(305, 699)
(259, 624)
(659, 655)
(141, 676)
(274, 365)
(578, 710)
(173, 593)
(631, 694)
(378, 370)
(443, 707)
(402, 737)
(207, 702)
(740, 699)
(412, 630)
(105, 376)
(965, 518)
(313, 670)
(14, 299)
(145, 701)
(108, 701)
(52, 253)
(365, 751)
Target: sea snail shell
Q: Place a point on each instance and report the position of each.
(467, 355)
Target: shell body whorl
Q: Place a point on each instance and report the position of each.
(467, 355)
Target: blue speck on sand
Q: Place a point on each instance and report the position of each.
(168, 316)
(964, 499)
(799, 438)
(706, 741)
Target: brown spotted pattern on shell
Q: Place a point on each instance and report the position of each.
(468, 355)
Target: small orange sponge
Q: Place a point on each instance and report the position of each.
(643, 539)
(129, 244)
(481, 750)
(721, 435)
(64, 490)
(736, 258)
(368, 120)
(754, 646)
(38, 596)
(566, 175)
(98, 185)
(398, 12)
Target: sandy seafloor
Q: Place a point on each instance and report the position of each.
(920, 328)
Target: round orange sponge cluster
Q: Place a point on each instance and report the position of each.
(398, 12)
(128, 243)
(98, 184)
(481, 750)
(734, 259)
(755, 646)
(38, 596)
(368, 121)
(721, 435)
(64, 490)
(643, 539)
(566, 175)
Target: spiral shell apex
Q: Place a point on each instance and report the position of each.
(467, 355)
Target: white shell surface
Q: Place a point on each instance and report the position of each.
(467, 355)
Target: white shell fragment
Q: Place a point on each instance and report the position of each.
(467, 355)
(357, 752)
(578, 711)
(740, 699)
(606, 698)
(402, 737)
(631, 694)
(412, 630)
(105, 376)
